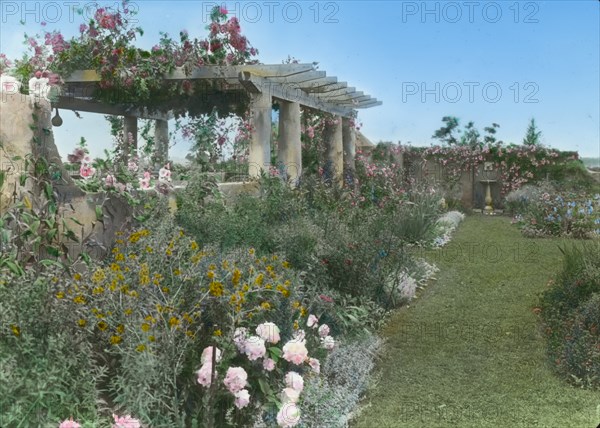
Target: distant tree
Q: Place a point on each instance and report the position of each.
(532, 136)
(446, 133)
(490, 138)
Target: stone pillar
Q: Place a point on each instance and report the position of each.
(130, 125)
(334, 150)
(349, 145)
(289, 156)
(161, 142)
(259, 157)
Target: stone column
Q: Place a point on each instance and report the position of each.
(349, 145)
(334, 150)
(161, 141)
(259, 157)
(289, 156)
(130, 125)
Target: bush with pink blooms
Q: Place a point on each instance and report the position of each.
(248, 375)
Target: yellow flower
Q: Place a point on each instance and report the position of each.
(275, 257)
(128, 311)
(98, 276)
(296, 304)
(166, 290)
(133, 256)
(77, 277)
(194, 245)
(60, 295)
(210, 274)
(16, 330)
(120, 257)
(81, 322)
(216, 288)
(251, 251)
(265, 305)
(149, 249)
(140, 348)
(119, 233)
(218, 333)
(145, 327)
(235, 278)
(285, 264)
(259, 279)
(176, 272)
(115, 267)
(296, 326)
(80, 300)
(173, 321)
(151, 319)
(102, 325)
(134, 294)
(151, 338)
(190, 334)
(98, 290)
(303, 311)
(168, 252)
(120, 329)
(115, 340)
(225, 264)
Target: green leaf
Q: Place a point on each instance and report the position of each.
(53, 251)
(16, 269)
(275, 353)
(2, 177)
(74, 220)
(265, 387)
(99, 215)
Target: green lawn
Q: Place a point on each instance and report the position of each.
(468, 352)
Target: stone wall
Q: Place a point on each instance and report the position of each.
(26, 131)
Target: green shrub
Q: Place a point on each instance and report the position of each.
(570, 312)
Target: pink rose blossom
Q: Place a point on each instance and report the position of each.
(69, 424)
(328, 343)
(290, 395)
(208, 353)
(205, 374)
(269, 364)
(254, 348)
(86, 171)
(288, 416)
(242, 398)
(295, 352)
(295, 381)
(324, 330)
(126, 422)
(315, 365)
(109, 181)
(312, 321)
(236, 379)
(269, 332)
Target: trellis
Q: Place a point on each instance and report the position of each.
(291, 85)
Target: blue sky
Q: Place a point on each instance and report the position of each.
(482, 61)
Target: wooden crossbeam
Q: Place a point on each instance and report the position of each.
(282, 92)
(91, 106)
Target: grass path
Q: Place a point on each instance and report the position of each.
(468, 352)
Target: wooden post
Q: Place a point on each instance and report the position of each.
(259, 157)
(161, 142)
(349, 145)
(289, 156)
(334, 150)
(130, 126)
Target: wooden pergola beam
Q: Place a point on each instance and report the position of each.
(91, 106)
(256, 83)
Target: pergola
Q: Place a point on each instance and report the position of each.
(291, 85)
